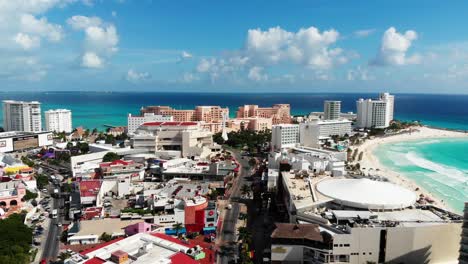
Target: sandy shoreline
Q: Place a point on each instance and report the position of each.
(370, 161)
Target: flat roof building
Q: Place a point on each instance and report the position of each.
(279, 113)
(210, 116)
(186, 137)
(22, 116)
(134, 122)
(59, 120)
(375, 113)
(313, 132)
(19, 141)
(332, 110)
(361, 221)
(284, 136)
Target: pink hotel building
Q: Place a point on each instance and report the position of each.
(251, 117)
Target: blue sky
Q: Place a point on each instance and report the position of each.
(241, 46)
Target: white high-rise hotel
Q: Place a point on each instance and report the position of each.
(375, 113)
(59, 120)
(22, 116)
(284, 136)
(331, 110)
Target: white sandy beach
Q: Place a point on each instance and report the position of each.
(370, 161)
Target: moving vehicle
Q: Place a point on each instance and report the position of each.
(54, 213)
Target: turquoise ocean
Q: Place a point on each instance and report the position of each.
(438, 165)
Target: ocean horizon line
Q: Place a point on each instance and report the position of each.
(224, 92)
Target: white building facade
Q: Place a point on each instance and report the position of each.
(59, 120)
(22, 116)
(375, 113)
(284, 136)
(134, 122)
(19, 141)
(313, 132)
(331, 110)
(188, 138)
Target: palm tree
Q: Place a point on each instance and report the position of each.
(244, 234)
(177, 226)
(64, 256)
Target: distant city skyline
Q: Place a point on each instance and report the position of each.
(241, 46)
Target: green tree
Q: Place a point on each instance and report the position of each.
(69, 145)
(110, 156)
(110, 139)
(244, 234)
(64, 256)
(15, 241)
(42, 181)
(178, 227)
(29, 195)
(105, 237)
(27, 161)
(83, 147)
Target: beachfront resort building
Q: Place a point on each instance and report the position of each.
(211, 117)
(314, 132)
(186, 138)
(279, 113)
(284, 136)
(22, 116)
(351, 220)
(134, 122)
(59, 120)
(375, 113)
(331, 110)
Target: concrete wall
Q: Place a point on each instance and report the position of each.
(438, 243)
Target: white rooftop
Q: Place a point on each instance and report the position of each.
(367, 194)
(156, 250)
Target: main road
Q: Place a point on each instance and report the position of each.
(228, 238)
(52, 242)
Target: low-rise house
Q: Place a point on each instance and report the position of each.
(122, 169)
(12, 193)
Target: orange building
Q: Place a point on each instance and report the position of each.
(279, 113)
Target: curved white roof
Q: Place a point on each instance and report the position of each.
(367, 194)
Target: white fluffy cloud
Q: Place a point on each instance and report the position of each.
(91, 60)
(308, 47)
(360, 74)
(100, 41)
(256, 74)
(23, 27)
(40, 27)
(27, 42)
(186, 55)
(134, 76)
(394, 47)
(83, 22)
